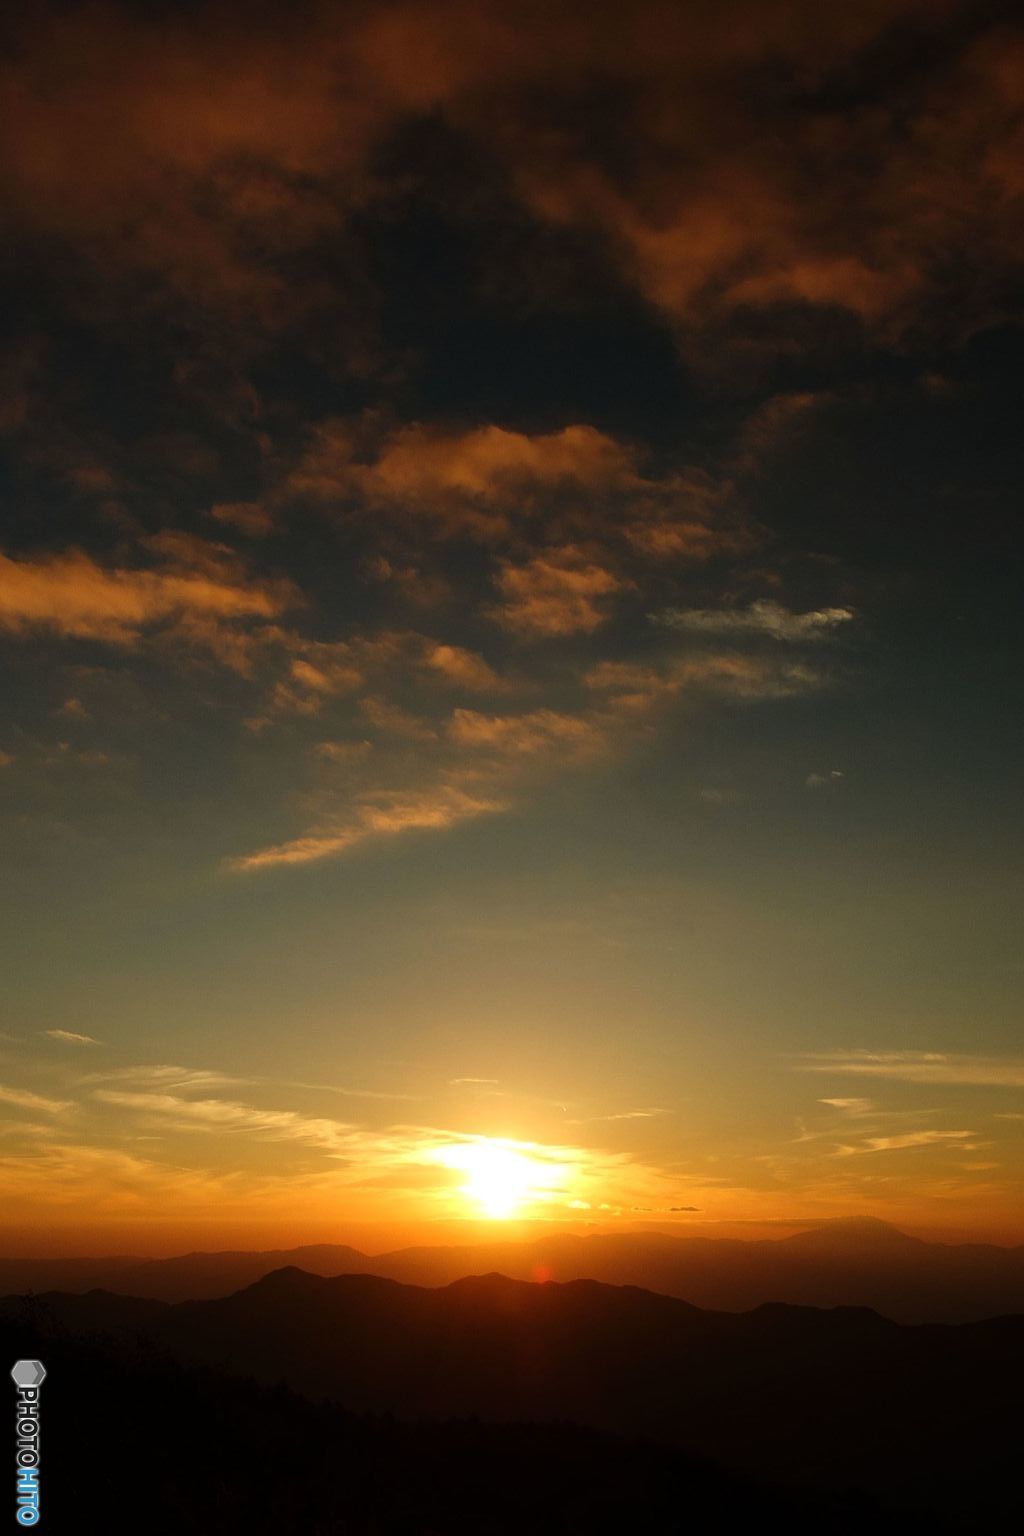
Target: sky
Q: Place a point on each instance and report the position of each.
(510, 619)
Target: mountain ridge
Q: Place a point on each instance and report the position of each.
(745, 1390)
(856, 1262)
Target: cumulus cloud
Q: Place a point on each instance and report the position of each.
(557, 593)
(72, 595)
(318, 671)
(500, 488)
(249, 517)
(493, 463)
(477, 482)
(461, 668)
(541, 730)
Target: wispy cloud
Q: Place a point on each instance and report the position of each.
(164, 1076)
(625, 1114)
(21, 1098)
(911, 1139)
(764, 617)
(417, 1158)
(343, 1091)
(225, 1116)
(379, 814)
(820, 780)
(70, 1037)
(920, 1067)
(473, 763)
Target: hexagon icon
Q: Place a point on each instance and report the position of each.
(28, 1373)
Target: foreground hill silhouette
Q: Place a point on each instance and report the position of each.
(186, 1451)
(864, 1263)
(923, 1420)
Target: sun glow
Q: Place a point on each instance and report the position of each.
(500, 1177)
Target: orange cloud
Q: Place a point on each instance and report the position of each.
(633, 691)
(557, 593)
(249, 517)
(490, 461)
(394, 721)
(480, 764)
(670, 538)
(462, 668)
(499, 488)
(540, 731)
(472, 482)
(238, 146)
(377, 814)
(319, 670)
(71, 594)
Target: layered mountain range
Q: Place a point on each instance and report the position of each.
(864, 1263)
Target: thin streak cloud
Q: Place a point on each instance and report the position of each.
(932, 1067)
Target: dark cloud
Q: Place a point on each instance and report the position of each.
(731, 159)
(266, 408)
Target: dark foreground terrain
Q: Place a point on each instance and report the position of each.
(134, 1442)
(356, 1404)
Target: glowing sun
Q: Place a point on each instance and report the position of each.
(499, 1179)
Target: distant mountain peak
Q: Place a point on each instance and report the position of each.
(287, 1279)
(862, 1229)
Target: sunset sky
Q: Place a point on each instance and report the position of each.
(510, 618)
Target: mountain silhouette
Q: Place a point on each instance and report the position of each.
(925, 1417)
(851, 1262)
(202, 1450)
